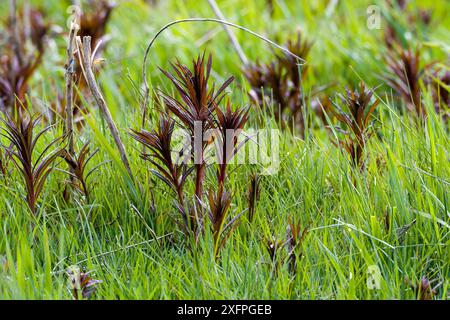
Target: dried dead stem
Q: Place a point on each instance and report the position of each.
(101, 103)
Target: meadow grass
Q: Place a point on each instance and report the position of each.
(138, 251)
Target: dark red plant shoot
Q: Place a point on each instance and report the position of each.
(280, 82)
(196, 108)
(357, 121)
(34, 167)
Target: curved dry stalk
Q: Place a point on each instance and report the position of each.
(21, 134)
(147, 51)
(70, 73)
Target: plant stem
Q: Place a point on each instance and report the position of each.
(70, 71)
(93, 87)
(230, 34)
(15, 30)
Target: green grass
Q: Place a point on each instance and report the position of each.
(116, 235)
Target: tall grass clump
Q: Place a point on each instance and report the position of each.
(21, 56)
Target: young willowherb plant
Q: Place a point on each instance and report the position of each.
(301, 47)
(281, 81)
(92, 21)
(293, 243)
(82, 285)
(34, 167)
(267, 82)
(173, 173)
(404, 76)
(422, 288)
(20, 56)
(196, 108)
(197, 112)
(295, 239)
(78, 166)
(219, 206)
(270, 6)
(3, 163)
(357, 121)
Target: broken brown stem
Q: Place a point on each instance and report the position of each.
(95, 90)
